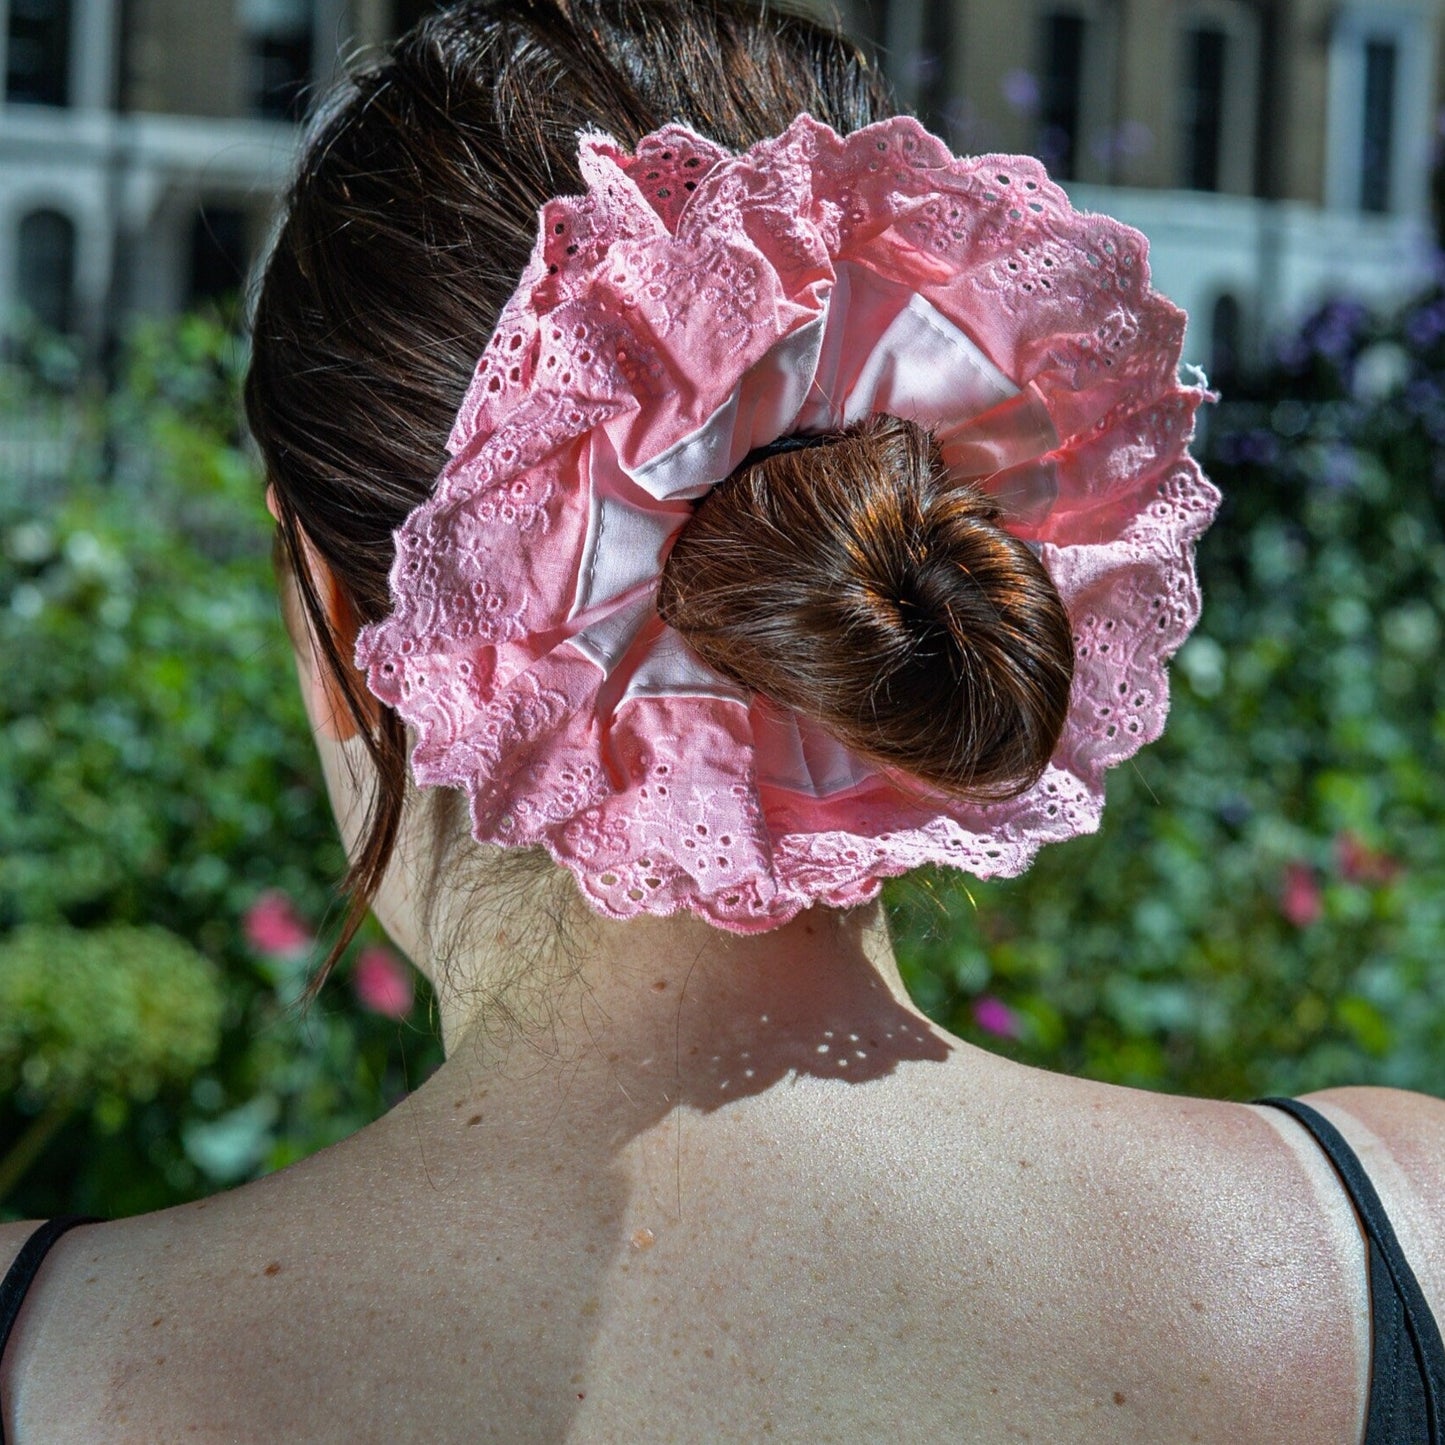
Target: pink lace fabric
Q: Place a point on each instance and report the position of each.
(695, 304)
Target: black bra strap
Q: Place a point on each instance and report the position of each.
(1420, 1324)
(21, 1275)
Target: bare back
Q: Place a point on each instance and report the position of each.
(963, 1249)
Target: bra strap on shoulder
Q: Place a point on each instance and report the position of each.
(21, 1275)
(1420, 1324)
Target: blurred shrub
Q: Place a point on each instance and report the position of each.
(104, 1014)
(99, 1019)
(1264, 908)
(155, 768)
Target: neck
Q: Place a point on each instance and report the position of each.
(660, 1012)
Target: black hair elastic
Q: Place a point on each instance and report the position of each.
(795, 443)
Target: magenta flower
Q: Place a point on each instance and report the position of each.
(382, 982)
(1300, 899)
(274, 928)
(994, 1016)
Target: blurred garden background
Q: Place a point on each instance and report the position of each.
(1263, 910)
(167, 857)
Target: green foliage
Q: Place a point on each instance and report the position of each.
(1264, 907)
(155, 768)
(1262, 910)
(106, 1014)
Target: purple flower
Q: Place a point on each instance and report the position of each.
(1235, 811)
(1339, 467)
(1258, 446)
(1423, 395)
(1021, 91)
(1423, 328)
(1334, 331)
(995, 1017)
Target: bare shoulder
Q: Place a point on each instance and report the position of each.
(12, 1238)
(1412, 1124)
(1400, 1139)
(1399, 1133)
(1188, 1230)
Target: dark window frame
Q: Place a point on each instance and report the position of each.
(1380, 90)
(1203, 96)
(46, 267)
(1064, 39)
(38, 37)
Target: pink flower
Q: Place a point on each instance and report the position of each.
(994, 1016)
(1300, 899)
(382, 982)
(274, 928)
(1359, 863)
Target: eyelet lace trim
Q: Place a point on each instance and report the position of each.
(651, 302)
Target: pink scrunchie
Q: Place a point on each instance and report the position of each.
(693, 305)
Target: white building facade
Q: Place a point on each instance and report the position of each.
(1276, 152)
(142, 146)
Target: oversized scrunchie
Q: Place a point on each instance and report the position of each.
(691, 306)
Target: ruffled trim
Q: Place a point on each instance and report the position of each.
(692, 305)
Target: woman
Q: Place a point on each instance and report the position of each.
(696, 1168)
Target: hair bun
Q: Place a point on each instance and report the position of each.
(852, 580)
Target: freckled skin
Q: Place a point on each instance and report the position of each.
(754, 1289)
(679, 1218)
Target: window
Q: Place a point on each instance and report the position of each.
(45, 269)
(1202, 99)
(1061, 93)
(219, 254)
(1078, 137)
(37, 52)
(280, 49)
(1380, 127)
(935, 79)
(1219, 96)
(1377, 157)
(1225, 340)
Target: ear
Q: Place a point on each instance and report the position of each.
(326, 703)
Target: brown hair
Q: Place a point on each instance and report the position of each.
(854, 581)
(410, 219)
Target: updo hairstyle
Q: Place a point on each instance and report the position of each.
(847, 578)
(852, 580)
